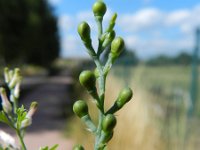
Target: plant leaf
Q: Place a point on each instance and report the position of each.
(54, 147)
(4, 119)
(21, 115)
(44, 148)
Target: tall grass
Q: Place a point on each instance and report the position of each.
(155, 119)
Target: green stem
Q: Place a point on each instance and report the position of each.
(100, 32)
(99, 26)
(101, 84)
(98, 133)
(87, 120)
(21, 139)
(15, 101)
(15, 106)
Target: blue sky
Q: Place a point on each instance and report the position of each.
(150, 27)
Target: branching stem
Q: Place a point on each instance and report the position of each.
(19, 134)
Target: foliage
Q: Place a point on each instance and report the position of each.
(16, 117)
(28, 32)
(181, 59)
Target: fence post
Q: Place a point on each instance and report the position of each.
(194, 82)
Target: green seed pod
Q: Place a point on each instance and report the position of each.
(106, 136)
(113, 19)
(117, 46)
(78, 147)
(112, 23)
(99, 8)
(109, 122)
(84, 31)
(96, 73)
(88, 80)
(109, 38)
(103, 37)
(124, 97)
(80, 108)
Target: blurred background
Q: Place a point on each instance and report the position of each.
(160, 63)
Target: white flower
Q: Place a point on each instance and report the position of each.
(28, 120)
(15, 79)
(7, 140)
(7, 107)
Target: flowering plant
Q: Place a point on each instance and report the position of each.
(15, 116)
(18, 118)
(103, 131)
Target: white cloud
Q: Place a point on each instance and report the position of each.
(192, 22)
(65, 22)
(141, 20)
(72, 46)
(155, 46)
(151, 18)
(54, 2)
(131, 41)
(150, 31)
(108, 14)
(177, 17)
(84, 15)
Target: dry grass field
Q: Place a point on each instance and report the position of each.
(156, 118)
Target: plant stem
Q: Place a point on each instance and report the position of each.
(100, 31)
(15, 101)
(99, 26)
(101, 83)
(21, 139)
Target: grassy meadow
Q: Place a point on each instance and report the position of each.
(156, 118)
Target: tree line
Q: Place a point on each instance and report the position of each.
(28, 32)
(181, 59)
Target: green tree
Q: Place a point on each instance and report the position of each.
(28, 32)
(128, 58)
(183, 59)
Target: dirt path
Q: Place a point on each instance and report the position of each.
(53, 97)
(35, 140)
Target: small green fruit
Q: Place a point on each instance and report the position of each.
(84, 31)
(111, 35)
(124, 97)
(117, 46)
(80, 108)
(109, 38)
(114, 17)
(99, 8)
(109, 122)
(106, 136)
(78, 147)
(112, 22)
(87, 79)
(96, 73)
